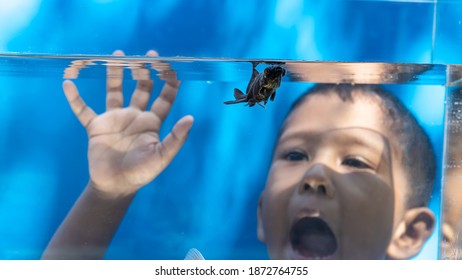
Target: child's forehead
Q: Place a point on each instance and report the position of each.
(355, 96)
(330, 109)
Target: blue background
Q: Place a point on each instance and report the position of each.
(207, 197)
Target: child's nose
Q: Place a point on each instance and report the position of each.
(316, 181)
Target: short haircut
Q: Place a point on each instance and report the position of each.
(418, 156)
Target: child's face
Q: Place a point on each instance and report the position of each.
(330, 191)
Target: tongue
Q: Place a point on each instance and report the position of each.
(315, 245)
(313, 238)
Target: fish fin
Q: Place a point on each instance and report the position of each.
(251, 103)
(263, 106)
(254, 75)
(238, 94)
(234, 101)
(240, 97)
(273, 96)
(194, 254)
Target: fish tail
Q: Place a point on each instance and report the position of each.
(240, 97)
(233, 102)
(238, 94)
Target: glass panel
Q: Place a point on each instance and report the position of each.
(448, 40)
(208, 196)
(448, 32)
(451, 227)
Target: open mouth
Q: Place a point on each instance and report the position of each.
(312, 238)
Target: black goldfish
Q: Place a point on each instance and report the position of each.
(262, 86)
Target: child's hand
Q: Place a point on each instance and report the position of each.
(125, 151)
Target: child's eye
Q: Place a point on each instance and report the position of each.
(356, 163)
(295, 156)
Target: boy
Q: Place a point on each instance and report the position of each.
(341, 183)
(350, 178)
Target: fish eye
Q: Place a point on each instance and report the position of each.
(295, 156)
(280, 70)
(356, 163)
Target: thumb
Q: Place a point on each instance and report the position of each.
(173, 142)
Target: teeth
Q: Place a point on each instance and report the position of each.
(308, 213)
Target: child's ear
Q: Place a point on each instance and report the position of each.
(412, 233)
(260, 230)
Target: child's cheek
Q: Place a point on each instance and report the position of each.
(368, 232)
(284, 176)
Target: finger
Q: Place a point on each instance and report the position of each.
(170, 78)
(165, 71)
(73, 70)
(176, 138)
(140, 97)
(114, 97)
(162, 105)
(84, 113)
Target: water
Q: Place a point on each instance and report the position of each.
(204, 197)
(233, 70)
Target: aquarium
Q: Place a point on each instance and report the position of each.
(234, 190)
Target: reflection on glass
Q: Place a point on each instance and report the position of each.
(230, 69)
(451, 244)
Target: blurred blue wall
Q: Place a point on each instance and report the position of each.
(207, 198)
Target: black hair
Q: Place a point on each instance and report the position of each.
(417, 153)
